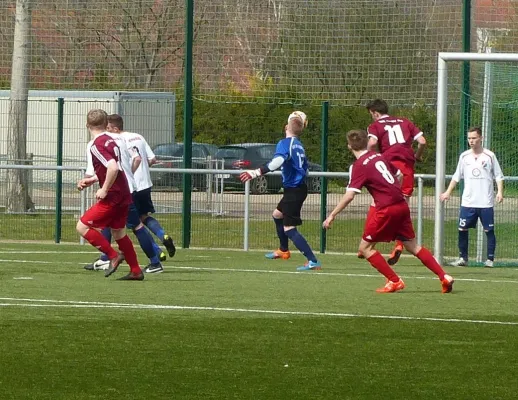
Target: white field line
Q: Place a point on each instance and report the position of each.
(260, 271)
(14, 251)
(22, 302)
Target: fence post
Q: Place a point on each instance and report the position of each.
(419, 211)
(323, 180)
(187, 123)
(59, 173)
(247, 217)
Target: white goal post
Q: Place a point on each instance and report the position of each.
(442, 101)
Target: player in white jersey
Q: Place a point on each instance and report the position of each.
(479, 168)
(130, 161)
(142, 196)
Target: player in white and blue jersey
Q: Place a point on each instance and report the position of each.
(290, 156)
(479, 168)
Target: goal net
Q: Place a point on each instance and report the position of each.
(489, 101)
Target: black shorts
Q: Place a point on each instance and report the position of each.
(291, 204)
(143, 202)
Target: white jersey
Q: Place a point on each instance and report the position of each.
(138, 144)
(126, 160)
(478, 171)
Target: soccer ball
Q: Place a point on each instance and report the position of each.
(301, 115)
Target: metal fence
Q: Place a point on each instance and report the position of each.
(235, 219)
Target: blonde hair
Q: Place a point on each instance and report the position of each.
(295, 125)
(357, 139)
(97, 119)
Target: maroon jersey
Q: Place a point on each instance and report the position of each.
(104, 149)
(395, 136)
(373, 171)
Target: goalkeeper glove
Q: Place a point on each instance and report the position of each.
(250, 174)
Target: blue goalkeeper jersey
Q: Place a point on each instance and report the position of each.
(295, 166)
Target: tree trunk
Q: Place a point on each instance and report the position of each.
(18, 199)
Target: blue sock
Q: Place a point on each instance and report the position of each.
(491, 244)
(157, 248)
(155, 227)
(107, 233)
(283, 238)
(463, 244)
(146, 243)
(300, 243)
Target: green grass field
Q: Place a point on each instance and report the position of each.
(234, 325)
(223, 232)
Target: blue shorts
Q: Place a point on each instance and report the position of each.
(143, 202)
(469, 216)
(133, 219)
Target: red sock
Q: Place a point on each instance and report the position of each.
(96, 239)
(429, 262)
(378, 262)
(370, 215)
(399, 243)
(126, 248)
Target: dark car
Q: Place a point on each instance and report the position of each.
(170, 155)
(252, 156)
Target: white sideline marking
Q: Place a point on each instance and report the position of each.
(262, 271)
(96, 304)
(47, 252)
(23, 278)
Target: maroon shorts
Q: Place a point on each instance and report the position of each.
(390, 223)
(102, 215)
(407, 184)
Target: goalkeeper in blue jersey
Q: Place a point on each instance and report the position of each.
(291, 158)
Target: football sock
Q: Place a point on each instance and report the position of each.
(463, 244)
(491, 244)
(429, 262)
(155, 227)
(283, 238)
(146, 243)
(399, 243)
(157, 248)
(126, 248)
(300, 243)
(107, 233)
(95, 238)
(378, 262)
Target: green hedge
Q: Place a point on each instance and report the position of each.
(227, 123)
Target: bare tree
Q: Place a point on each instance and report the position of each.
(18, 199)
(142, 37)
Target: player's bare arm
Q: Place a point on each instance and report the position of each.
(446, 195)
(421, 144)
(87, 181)
(346, 199)
(499, 191)
(112, 170)
(135, 163)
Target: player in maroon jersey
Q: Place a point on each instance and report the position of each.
(394, 137)
(391, 218)
(113, 200)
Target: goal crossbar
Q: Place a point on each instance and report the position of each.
(442, 101)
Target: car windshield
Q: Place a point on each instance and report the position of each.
(266, 151)
(231, 152)
(169, 150)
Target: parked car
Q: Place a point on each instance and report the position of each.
(170, 155)
(252, 156)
